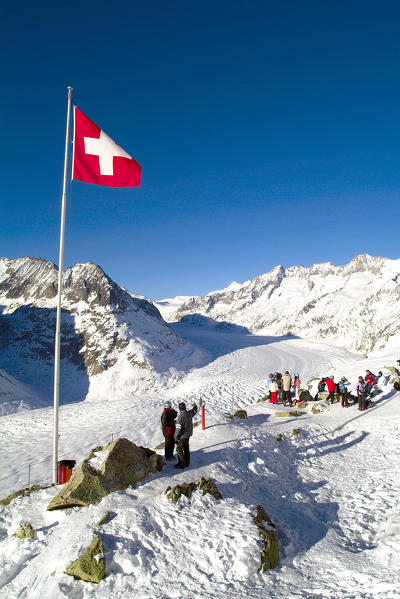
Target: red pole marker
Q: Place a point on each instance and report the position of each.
(203, 417)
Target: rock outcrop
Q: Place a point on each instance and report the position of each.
(355, 306)
(305, 396)
(287, 414)
(241, 414)
(107, 469)
(269, 536)
(21, 493)
(25, 531)
(104, 329)
(91, 564)
(205, 485)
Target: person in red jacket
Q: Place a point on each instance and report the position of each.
(370, 380)
(330, 385)
(168, 428)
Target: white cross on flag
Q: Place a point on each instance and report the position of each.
(98, 159)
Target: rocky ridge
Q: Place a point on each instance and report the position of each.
(106, 333)
(356, 306)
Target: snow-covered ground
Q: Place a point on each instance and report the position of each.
(332, 491)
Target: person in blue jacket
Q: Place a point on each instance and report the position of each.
(343, 392)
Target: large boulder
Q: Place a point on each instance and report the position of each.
(395, 381)
(305, 396)
(118, 465)
(393, 370)
(91, 564)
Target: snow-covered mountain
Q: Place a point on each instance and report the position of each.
(356, 305)
(117, 343)
(111, 341)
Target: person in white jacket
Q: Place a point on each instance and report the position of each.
(273, 387)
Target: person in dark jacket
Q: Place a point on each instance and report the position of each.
(168, 428)
(183, 432)
(361, 393)
(286, 383)
(321, 387)
(343, 392)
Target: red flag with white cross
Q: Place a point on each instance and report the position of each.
(98, 159)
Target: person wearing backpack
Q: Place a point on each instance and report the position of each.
(168, 429)
(361, 393)
(343, 392)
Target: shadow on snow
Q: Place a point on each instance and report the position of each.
(222, 338)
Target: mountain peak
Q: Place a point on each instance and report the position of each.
(356, 305)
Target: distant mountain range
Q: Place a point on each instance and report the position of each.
(111, 341)
(114, 342)
(356, 306)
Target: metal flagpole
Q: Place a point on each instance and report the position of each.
(58, 322)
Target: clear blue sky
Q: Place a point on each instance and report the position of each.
(268, 133)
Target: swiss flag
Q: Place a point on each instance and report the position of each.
(98, 159)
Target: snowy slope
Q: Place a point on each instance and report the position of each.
(16, 396)
(332, 491)
(355, 306)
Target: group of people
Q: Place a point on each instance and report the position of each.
(364, 388)
(328, 383)
(177, 429)
(279, 387)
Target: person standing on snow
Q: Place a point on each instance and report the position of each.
(370, 380)
(361, 389)
(330, 385)
(183, 432)
(321, 387)
(343, 392)
(273, 388)
(168, 428)
(269, 380)
(296, 386)
(286, 383)
(380, 379)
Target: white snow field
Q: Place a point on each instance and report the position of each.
(332, 491)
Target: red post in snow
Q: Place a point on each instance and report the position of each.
(203, 417)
